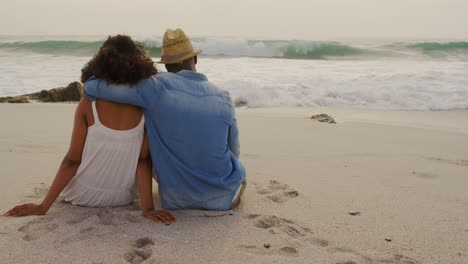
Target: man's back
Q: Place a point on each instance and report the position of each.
(193, 138)
(193, 121)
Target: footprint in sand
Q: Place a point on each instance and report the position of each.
(39, 191)
(37, 228)
(463, 163)
(318, 241)
(300, 235)
(277, 192)
(303, 235)
(287, 250)
(140, 251)
(106, 217)
(424, 175)
(400, 259)
(278, 224)
(351, 256)
(87, 230)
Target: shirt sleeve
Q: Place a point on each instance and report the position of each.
(233, 138)
(135, 94)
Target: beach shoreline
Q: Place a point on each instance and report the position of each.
(380, 186)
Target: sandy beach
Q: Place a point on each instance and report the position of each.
(380, 186)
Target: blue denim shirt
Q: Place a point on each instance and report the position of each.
(192, 135)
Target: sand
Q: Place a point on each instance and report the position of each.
(379, 186)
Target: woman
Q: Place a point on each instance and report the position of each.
(109, 145)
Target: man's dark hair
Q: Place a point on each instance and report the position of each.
(120, 60)
(188, 64)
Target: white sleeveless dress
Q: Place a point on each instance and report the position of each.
(107, 173)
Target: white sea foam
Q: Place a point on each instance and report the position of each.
(398, 84)
(415, 82)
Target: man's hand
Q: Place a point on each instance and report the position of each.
(160, 216)
(26, 209)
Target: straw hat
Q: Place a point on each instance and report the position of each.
(176, 47)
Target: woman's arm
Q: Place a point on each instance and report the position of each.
(145, 185)
(67, 169)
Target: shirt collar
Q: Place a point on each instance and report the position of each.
(192, 75)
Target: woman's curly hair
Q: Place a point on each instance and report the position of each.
(120, 60)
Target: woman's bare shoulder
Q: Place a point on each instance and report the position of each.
(84, 110)
(84, 105)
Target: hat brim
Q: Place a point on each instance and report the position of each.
(180, 59)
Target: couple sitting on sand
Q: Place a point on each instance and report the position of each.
(191, 138)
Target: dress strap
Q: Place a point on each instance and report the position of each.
(95, 113)
(142, 122)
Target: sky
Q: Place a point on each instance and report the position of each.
(266, 19)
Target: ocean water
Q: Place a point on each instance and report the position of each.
(372, 74)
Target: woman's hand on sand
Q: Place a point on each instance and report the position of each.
(160, 216)
(27, 209)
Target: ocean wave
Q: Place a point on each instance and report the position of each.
(440, 46)
(294, 49)
(55, 47)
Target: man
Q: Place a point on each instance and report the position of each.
(192, 130)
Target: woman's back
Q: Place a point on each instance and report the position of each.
(117, 116)
(106, 176)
